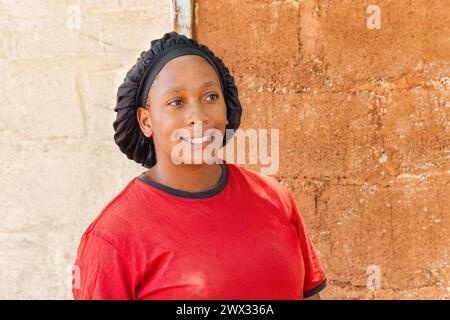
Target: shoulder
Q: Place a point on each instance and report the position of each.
(269, 183)
(112, 224)
(264, 186)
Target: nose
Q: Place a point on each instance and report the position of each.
(197, 115)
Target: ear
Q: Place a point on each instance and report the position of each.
(145, 121)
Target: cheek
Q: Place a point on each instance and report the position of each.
(163, 127)
(219, 114)
(169, 127)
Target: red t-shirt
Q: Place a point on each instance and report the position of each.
(242, 240)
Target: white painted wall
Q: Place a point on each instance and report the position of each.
(61, 63)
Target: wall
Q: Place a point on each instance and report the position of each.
(61, 63)
(362, 113)
(364, 129)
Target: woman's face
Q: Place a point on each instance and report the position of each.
(185, 93)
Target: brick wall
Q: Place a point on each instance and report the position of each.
(364, 129)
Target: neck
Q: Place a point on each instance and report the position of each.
(186, 177)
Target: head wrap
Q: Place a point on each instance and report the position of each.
(132, 93)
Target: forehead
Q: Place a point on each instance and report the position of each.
(186, 70)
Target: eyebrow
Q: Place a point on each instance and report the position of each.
(207, 84)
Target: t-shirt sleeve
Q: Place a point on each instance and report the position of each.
(315, 278)
(99, 272)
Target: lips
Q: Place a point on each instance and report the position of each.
(198, 140)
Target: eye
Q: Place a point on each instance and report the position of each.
(170, 103)
(213, 95)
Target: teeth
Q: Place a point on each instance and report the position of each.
(199, 140)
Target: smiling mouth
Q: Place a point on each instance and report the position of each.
(198, 140)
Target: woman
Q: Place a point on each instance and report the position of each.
(184, 230)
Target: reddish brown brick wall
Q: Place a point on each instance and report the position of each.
(364, 135)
